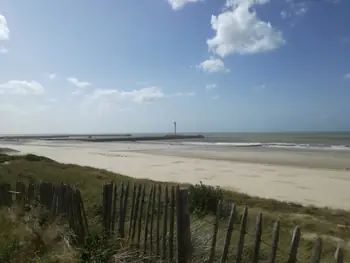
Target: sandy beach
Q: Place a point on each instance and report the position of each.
(311, 178)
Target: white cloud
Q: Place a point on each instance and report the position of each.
(295, 9)
(178, 4)
(149, 94)
(347, 76)
(4, 33)
(21, 87)
(184, 94)
(3, 50)
(239, 30)
(4, 30)
(79, 84)
(213, 65)
(210, 86)
(215, 97)
(52, 76)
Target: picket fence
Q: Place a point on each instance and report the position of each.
(156, 223)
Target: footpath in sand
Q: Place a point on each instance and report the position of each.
(285, 176)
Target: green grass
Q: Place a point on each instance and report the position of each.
(329, 223)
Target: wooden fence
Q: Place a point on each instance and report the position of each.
(155, 221)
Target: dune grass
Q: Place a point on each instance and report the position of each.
(331, 224)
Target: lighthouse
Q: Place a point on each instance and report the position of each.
(175, 127)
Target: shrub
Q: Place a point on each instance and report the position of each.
(203, 199)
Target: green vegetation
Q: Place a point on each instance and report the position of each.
(27, 236)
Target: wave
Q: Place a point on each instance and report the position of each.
(271, 145)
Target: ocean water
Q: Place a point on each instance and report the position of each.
(311, 141)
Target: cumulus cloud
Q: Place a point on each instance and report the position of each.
(213, 65)
(142, 95)
(210, 86)
(4, 30)
(52, 76)
(78, 83)
(238, 29)
(183, 94)
(178, 4)
(4, 33)
(21, 87)
(3, 50)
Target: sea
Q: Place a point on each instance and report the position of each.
(335, 141)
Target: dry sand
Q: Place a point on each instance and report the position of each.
(311, 178)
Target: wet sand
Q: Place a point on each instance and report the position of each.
(310, 178)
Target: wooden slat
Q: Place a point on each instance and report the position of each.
(228, 234)
(258, 232)
(275, 239)
(215, 232)
(294, 245)
(240, 244)
(317, 251)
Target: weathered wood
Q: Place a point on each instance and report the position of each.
(240, 244)
(141, 216)
(31, 193)
(148, 216)
(215, 233)
(159, 194)
(137, 205)
(317, 251)
(114, 213)
(294, 245)
(6, 196)
(275, 239)
(151, 230)
(184, 246)
(165, 223)
(104, 208)
(132, 211)
(228, 234)
(257, 241)
(125, 210)
(171, 224)
(82, 208)
(121, 211)
(339, 255)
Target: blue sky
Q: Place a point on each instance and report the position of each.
(212, 65)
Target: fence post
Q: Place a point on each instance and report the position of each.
(147, 220)
(137, 204)
(158, 220)
(257, 241)
(121, 212)
(165, 223)
(125, 210)
(132, 211)
(294, 246)
(184, 246)
(114, 198)
(275, 239)
(316, 252)
(215, 232)
(141, 215)
(152, 219)
(339, 255)
(228, 234)
(240, 243)
(172, 224)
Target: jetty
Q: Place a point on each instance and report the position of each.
(145, 138)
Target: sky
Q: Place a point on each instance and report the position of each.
(116, 66)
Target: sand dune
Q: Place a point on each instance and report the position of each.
(319, 179)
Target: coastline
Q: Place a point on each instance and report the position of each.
(318, 179)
